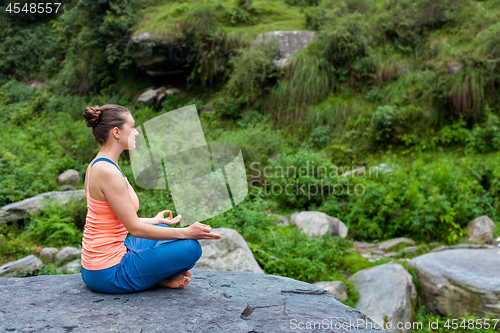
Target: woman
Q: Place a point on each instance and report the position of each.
(155, 254)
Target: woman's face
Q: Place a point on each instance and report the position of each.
(129, 132)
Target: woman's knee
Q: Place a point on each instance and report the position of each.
(193, 248)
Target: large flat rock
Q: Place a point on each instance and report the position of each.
(214, 301)
(456, 282)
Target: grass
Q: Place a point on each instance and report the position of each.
(270, 16)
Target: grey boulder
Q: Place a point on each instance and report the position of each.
(214, 301)
(147, 98)
(455, 282)
(386, 293)
(230, 253)
(68, 253)
(480, 230)
(18, 210)
(70, 177)
(30, 263)
(48, 252)
(337, 288)
(392, 243)
(71, 267)
(317, 224)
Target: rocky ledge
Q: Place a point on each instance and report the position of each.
(214, 301)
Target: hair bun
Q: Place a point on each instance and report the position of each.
(92, 115)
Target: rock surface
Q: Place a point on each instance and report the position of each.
(213, 302)
(480, 230)
(230, 253)
(71, 267)
(48, 252)
(289, 42)
(147, 98)
(337, 288)
(156, 58)
(459, 281)
(392, 243)
(316, 224)
(68, 253)
(386, 291)
(18, 210)
(30, 263)
(70, 177)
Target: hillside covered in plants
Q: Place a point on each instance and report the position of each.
(414, 84)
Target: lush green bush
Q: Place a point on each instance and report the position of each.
(283, 250)
(344, 45)
(228, 108)
(302, 2)
(298, 180)
(252, 118)
(431, 199)
(55, 225)
(320, 137)
(258, 143)
(406, 21)
(252, 71)
(13, 244)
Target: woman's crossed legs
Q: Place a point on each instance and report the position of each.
(146, 264)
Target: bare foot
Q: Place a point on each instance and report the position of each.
(179, 281)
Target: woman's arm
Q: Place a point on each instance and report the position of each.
(160, 218)
(115, 190)
(148, 220)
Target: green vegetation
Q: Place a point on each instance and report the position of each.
(410, 83)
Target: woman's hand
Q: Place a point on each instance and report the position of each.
(199, 230)
(159, 218)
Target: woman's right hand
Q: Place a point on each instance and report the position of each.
(199, 230)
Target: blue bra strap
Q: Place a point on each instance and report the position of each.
(107, 160)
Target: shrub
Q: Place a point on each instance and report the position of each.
(430, 199)
(343, 43)
(406, 21)
(258, 143)
(13, 245)
(302, 2)
(299, 180)
(229, 108)
(252, 71)
(53, 225)
(320, 137)
(283, 251)
(242, 13)
(251, 118)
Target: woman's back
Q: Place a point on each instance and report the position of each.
(104, 234)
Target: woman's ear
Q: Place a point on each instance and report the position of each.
(115, 132)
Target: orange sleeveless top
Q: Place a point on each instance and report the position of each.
(104, 234)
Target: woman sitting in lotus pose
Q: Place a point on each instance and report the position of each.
(155, 254)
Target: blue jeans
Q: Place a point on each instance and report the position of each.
(146, 263)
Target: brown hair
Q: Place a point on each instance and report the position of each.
(103, 119)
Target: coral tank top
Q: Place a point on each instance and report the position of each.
(104, 233)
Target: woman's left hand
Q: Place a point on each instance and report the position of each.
(169, 220)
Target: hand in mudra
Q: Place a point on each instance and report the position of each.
(169, 220)
(199, 230)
